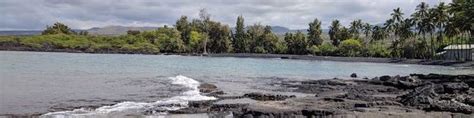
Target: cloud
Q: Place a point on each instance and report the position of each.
(295, 14)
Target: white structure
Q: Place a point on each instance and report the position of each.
(459, 52)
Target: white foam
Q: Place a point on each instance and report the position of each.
(138, 108)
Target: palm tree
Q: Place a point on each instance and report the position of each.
(404, 32)
(421, 19)
(440, 19)
(397, 15)
(431, 27)
(366, 28)
(333, 31)
(393, 26)
(378, 33)
(355, 27)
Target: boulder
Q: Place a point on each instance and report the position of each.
(385, 78)
(420, 97)
(354, 75)
(207, 88)
(455, 87)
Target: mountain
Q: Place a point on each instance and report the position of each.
(280, 29)
(20, 32)
(116, 30)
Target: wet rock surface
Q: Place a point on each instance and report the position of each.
(267, 97)
(416, 95)
(210, 89)
(354, 75)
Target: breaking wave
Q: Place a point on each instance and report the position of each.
(141, 108)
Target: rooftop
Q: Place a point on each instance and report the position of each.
(463, 46)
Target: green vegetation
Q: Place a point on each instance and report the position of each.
(350, 47)
(419, 35)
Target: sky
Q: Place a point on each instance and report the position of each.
(294, 14)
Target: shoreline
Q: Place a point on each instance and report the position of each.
(452, 63)
(414, 95)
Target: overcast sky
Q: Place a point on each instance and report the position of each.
(294, 14)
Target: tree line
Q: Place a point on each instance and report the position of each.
(419, 35)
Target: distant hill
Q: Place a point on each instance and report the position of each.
(119, 30)
(116, 30)
(20, 32)
(25, 32)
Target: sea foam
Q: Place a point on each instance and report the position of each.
(140, 108)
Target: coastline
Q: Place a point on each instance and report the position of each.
(452, 63)
(414, 95)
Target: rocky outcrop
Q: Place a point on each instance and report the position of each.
(267, 97)
(207, 88)
(441, 93)
(406, 82)
(432, 92)
(210, 89)
(384, 96)
(252, 113)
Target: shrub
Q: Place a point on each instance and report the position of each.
(350, 47)
(377, 50)
(314, 50)
(327, 49)
(260, 49)
(281, 47)
(9, 40)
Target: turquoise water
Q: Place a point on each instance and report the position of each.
(33, 82)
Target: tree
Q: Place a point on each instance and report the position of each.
(378, 34)
(462, 21)
(219, 38)
(350, 47)
(240, 37)
(397, 15)
(184, 27)
(270, 40)
(463, 15)
(133, 32)
(333, 30)
(392, 26)
(197, 39)
(422, 20)
(205, 19)
(57, 28)
(254, 35)
(169, 40)
(343, 34)
(314, 33)
(296, 43)
(355, 28)
(441, 16)
(327, 49)
(367, 28)
(405, 33)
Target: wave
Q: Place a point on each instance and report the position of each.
(141, 108)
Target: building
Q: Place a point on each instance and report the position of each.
(463, 52)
